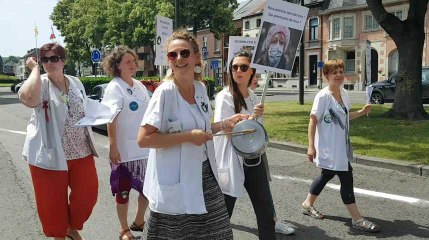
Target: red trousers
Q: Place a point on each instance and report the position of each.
(58, 210)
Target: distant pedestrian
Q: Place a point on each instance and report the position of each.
(60, 155)
(236, 176)
(128, 160)
(329, 144)
(181, 179)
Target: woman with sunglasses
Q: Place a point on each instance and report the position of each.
(329, 144)
(60, 155)
(128, 160)
(237, 177)
(181, 178)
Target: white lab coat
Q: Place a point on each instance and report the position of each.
(229, 163)
(173, 182)
(120, 95)
(42, 146)
(330, 139)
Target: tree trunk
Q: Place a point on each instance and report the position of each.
(408, 36)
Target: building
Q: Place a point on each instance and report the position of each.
(9, 68)
(21, 67)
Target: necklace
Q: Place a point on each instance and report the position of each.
(64, 95)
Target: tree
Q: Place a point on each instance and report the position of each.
(1, 64)
(409, 36)
(217, 15)
(14, 59)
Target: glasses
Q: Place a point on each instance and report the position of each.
(243, 68)
(185, 53)
(53, 59)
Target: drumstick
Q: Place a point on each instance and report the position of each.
(246, 131)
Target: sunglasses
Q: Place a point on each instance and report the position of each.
(53, 59)
(185, 53)
(243, 68)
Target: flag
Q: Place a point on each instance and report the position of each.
(36, 31)
(52, 34)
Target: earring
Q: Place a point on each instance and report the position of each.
(198, 69)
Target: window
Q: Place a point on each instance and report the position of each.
(398, 14)
(314, 28)
(350, 62)
(217, 44)
(335, 26)
(204, 41)
(371, 23)
(258, 22)
(348, 27)
(246, 25)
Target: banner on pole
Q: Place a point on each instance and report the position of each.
(164, 28)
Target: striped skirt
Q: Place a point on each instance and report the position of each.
(211, 226)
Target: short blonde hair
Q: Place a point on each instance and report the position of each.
(183, 34)
(332, 65)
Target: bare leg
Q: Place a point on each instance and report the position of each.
(141, 210)
(354, 211)
(73, 233)
(309, 201)
(122, 211)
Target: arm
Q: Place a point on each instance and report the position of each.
(114, 155)
(149, 137)
(30, 92)
(364, 111)
(311, 152)
(227, 124)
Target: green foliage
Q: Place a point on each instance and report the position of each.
(14, 59)
(90, 82)
(7, 79)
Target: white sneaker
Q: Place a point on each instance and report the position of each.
(282, 228)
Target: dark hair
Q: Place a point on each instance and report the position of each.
(54, 47)
(183, 34)
(238, 98)
(111, 62)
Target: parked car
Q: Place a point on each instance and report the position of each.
(18, 86)
(384, 91)
(97, 93)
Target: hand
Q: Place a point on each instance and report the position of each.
(366, 109)
(114, 155)
(199, 137)
(258, 110)
(233, 120)
(311, 153)
(31, 63)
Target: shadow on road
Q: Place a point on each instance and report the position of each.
(397, 228)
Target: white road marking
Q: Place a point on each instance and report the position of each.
(13, 131)
(399, 198)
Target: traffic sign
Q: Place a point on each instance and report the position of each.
(205, 52)
(214, 64)
(95, 56)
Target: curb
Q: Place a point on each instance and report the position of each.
(402, 166)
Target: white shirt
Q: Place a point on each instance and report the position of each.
(229, 163)
(173, 182)
(133, 102)
(330, 139)
(42, 146)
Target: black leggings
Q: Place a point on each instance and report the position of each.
(346, 180)
(258, 188)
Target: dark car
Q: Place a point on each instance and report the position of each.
(16, 85)
(384, 91)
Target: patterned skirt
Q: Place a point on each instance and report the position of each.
(133, 171)
(211, 226)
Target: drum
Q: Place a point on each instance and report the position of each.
(249, 145)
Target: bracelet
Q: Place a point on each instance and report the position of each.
(223, 125)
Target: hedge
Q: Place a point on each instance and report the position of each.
(90, 82)
(7, 79)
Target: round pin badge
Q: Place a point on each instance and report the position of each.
(134, 106)
(327, 118)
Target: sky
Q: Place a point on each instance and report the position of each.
(17, 25)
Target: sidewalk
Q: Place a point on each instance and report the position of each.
(403, 166)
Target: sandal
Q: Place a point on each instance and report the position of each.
(282, 228)
(137, 228)
(123, 233)
(365, 225)
(311, 211)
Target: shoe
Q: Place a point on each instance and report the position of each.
(311, 211)
(123, 236)
(365, 225)
(282, 228)
(137, 228)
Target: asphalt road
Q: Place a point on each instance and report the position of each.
(399, 202)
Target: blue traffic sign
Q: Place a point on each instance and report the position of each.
(95, 56)
(214, 64)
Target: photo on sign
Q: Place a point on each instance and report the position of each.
(238, 44)
(277, 46)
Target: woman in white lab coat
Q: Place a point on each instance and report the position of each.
(181, 179)
(329, 144)
(128, 160)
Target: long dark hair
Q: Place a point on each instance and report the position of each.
(238, 98)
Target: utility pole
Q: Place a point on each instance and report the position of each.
(301, 66)
(176, 14)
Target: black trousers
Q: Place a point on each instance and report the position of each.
(258, 188)
(346, 180)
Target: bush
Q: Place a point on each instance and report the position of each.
(90, 82)
(218, 88)
(7, 79)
